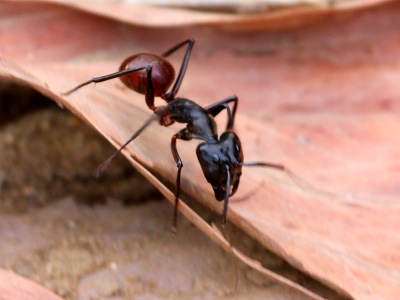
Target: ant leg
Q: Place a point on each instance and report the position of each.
(171, 95)
(216, 108)
(149, 96)
(100, 169)
(227, 194)
(105, 78)
(179, 165)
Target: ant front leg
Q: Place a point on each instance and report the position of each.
(216, 108)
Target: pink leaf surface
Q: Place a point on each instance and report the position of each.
(321, 98)
(286, 14)
(14, 287)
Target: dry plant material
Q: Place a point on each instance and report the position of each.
(13, 286)
(321, 99)
(250, 15)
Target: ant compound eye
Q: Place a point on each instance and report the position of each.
(215, 158)
(237, 146)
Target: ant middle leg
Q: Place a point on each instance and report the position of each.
(101, 168)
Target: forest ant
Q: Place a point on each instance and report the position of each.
(221, 159)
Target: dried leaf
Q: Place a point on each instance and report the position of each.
(265, 14)
(13, 286)
(320, 99)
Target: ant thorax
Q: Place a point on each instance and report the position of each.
(200, 124)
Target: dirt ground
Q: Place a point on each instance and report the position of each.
(110, 238)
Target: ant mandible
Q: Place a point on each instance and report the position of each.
(221, 159)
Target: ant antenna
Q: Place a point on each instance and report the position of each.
(227, 194)
(227, 237)
(300, 182)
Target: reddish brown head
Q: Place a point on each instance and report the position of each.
(163, 73)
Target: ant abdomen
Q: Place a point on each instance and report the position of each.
(163, 73)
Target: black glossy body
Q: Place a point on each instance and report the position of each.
(215, 157)
(221, 159)
(200, 124)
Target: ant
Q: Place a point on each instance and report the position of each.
(221, 159)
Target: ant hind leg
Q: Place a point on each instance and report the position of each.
(216, 108)
(171, 95)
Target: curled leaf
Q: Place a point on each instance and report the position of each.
(322, 100)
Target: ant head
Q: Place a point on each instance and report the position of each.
(216, 159)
